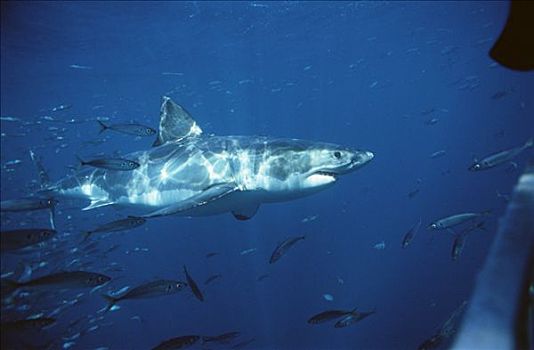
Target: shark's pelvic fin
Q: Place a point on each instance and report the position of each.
(98, 204)
(209, 195)
(175, 123)
(246, 212)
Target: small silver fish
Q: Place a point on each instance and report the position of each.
(283, 247)
(432, 121)
(177, 343)
(43, 176)
(18, 239)
(459, 240)
(60, 108)
(118, 164)
(248, 251)
(409, 236)
(454, 220)
(457, 246)
(77, 66)
(128, 223)
(221, 338)
(380, 245)
(12, 162)
(352, 318)
(9, 119)
(413, 193)
(194, 288)
(262, 277)
(148, 290)
(129, 129)
(329, 315)
(438, 154)
(211, 279)
(26, 204)
(499, 158)
(60, 280)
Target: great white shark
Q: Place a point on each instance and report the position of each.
(190, 174)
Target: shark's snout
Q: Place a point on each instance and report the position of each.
(361, 158)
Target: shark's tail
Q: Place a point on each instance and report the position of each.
(45, 189)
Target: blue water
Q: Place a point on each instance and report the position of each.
(365, 75)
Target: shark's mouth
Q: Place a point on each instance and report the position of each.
(320, 178)
(325, 173)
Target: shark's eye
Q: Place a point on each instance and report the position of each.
(337, 154)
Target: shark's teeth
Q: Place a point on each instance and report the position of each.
(325, 173)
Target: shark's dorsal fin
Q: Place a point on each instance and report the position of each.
(175, 123)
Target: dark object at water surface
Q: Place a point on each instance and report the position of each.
(515, 47)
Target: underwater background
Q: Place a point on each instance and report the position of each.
(402, 79)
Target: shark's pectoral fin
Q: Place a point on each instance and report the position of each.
(207, 196)
(98, 203)
(175, 123)
(246, 212)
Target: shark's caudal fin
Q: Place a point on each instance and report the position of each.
(44, 181)
(175, 123)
